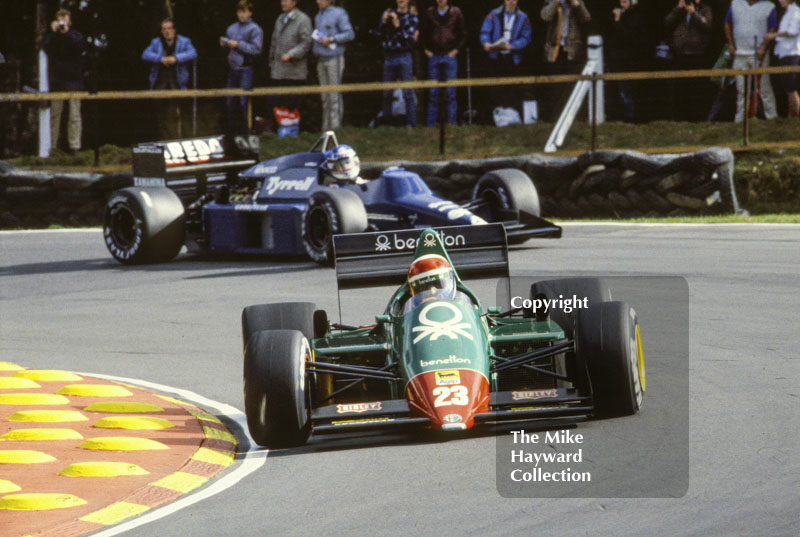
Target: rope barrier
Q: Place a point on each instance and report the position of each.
(384, 86)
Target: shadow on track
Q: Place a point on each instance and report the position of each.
(240, 266)
(354, 441)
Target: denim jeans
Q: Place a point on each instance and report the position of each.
(442, 68)
(237, 106)
(399, 66)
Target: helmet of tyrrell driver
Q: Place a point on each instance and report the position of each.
(342, 163)
(432, 272)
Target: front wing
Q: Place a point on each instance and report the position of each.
(395, 414)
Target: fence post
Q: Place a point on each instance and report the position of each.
(594, 113)
(45, 143)
(194, 98)
(746, 122)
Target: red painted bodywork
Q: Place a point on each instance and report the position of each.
(461, 392)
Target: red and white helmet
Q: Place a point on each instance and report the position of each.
(431, 271)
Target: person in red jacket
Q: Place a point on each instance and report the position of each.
(443, 36)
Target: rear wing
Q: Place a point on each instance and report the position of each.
(383, 258)
(190, 166)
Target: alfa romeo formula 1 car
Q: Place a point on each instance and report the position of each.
(435, 358)
(212, 195)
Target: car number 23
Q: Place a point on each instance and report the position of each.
(450, 395)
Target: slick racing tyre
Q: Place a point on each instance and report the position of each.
(274, 388)
(594, 290)
(281, 316)
(144, 225)
(607, 339)
(506, 193)
(331, 212)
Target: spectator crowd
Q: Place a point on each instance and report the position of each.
(431, 40)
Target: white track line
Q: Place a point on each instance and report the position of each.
(254, 457)
(59, 230)
(674, 224)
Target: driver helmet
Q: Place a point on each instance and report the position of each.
(432, 272)
(342, 163)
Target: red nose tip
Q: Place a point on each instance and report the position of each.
(449, 397)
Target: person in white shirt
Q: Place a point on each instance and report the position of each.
(746, 24)
(787, 49)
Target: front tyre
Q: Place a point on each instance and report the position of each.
(278, 316)
(331, 212)
(506, 193)
(144, 225)
(607, 339)
(275, 388)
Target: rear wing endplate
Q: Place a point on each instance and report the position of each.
(383, 258)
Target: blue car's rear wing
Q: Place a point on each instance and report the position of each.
(191, 166)
(383, 258)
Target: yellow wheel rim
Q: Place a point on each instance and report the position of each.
(640, 357)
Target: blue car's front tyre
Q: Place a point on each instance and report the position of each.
(275, 388)
(506, 192)
(331, 212)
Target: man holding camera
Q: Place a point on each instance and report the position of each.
(689, 25)
(398, 31)
(65, 48)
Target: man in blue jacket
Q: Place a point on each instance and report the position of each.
(332, 29)
(170, 56)
(505, 33)
(244, 40)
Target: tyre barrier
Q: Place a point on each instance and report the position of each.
(35, 199)
(608, 184)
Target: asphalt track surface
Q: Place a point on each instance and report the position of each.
(67, 305)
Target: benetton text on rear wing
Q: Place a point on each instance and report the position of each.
(383, 258)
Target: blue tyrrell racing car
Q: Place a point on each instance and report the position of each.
(212, 195)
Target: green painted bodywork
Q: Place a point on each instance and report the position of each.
(450, 335)
(442, 335)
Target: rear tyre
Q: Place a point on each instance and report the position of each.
(506, 193)
(594, 290)
(281, 316)
(331, 212)
(144, 225)
(274, 388)
(607, 339)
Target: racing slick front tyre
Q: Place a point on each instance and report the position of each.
(274, 388)
(505, 192)
(278, 316)
(607, 339)
(331, 212)
(144, 225)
